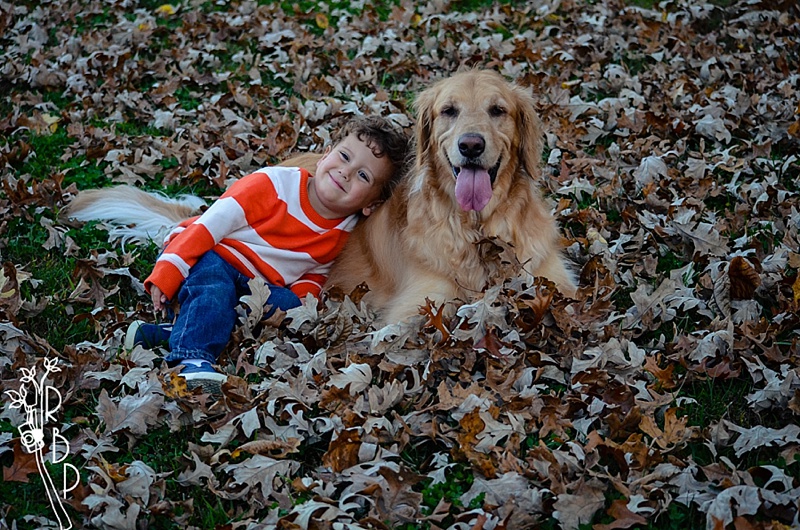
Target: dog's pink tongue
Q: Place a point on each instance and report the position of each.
(473, 189)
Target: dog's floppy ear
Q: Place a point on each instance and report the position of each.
(423, 105)
(531, 134)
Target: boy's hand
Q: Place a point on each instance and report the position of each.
(160, 300)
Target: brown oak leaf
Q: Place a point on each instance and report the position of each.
(623, 517)
(744, 279)
(23, 465)
(343, 451)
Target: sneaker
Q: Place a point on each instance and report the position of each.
(147, 335)
(202, 374)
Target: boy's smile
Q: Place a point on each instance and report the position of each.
(336, 182)
(349, 179)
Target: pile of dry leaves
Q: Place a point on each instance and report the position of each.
(672, 163)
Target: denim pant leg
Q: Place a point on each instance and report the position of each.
(208, 300)
(280, 298)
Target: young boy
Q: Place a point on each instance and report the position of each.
(280, 224)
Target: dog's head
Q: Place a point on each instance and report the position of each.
(482, 130)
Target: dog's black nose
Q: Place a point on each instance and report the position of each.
(471, 145)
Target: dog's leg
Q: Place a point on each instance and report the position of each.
(415, 290)
(555, 270)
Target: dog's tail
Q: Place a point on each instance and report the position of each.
(132, 215)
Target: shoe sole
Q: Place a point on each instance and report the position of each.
(210, 383)
(130, 336)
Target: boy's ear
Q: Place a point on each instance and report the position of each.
(367, 210)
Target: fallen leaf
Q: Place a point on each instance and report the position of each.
(343, 451)
(135, 413)
(675, 433)
(24, 464)
(744, 279)
(623, 517)
(573, 510)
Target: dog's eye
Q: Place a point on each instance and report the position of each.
(495, 111)
(449, 111)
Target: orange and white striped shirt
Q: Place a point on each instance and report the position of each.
(264, 225)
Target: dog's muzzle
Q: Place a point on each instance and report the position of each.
(474, 181)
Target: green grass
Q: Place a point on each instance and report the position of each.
(718, 399)
(468, 6)
(669, 261)
(165, 452)
(312, 7)
(647, 4)
(46, 150)
(458, 480)
(86, 174)
(135, 128)
(56, 273)
(188, 99)
(28, 499)
(93, 21)
(25, 235)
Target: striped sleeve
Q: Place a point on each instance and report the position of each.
(188, 244)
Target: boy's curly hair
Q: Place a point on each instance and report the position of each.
(384, 139)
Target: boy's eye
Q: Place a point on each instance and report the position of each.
(345, 156)
(363, 176)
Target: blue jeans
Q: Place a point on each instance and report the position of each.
(208, 299)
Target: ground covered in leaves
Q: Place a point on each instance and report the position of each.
(665, 395)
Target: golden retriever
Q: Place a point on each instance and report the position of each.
(478, 157)
(478, 154)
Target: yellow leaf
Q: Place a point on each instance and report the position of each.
(175, 387)
(676, 432)
(794, 129)
(166, 10)
(796, 289)
(3, 282)
(322, 20)
(51, 121)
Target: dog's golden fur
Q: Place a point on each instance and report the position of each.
(421, 243)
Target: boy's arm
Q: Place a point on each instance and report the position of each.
(178, 257)
(223, 217)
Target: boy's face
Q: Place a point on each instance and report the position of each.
(349, 179)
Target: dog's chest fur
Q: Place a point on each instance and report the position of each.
(453, 241)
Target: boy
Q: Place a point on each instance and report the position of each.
(279, 223)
